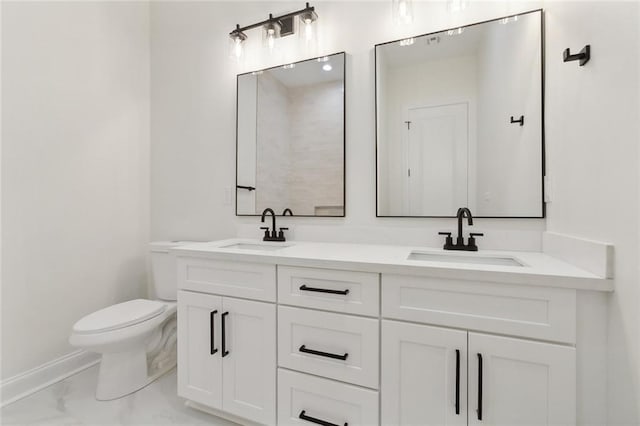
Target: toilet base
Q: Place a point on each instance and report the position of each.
(124, 373)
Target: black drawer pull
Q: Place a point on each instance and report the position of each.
(479, 410)
(303, 416)
(325, 354)
(225, 352)
(304, 287)
(211, 328)
(458, 381)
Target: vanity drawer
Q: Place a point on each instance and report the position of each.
(537, 312)
(239, 279)
(324, 400)
(341, 347)
(333, 290)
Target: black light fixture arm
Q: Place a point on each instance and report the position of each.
(240, 29)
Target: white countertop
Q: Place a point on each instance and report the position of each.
(538, 268)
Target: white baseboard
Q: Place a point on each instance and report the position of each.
(24, 384)
(593, 256)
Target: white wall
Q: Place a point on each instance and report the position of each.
(75, 156)
(193, 119)
(592, 129)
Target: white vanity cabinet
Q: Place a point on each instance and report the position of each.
(424, 375)
(515, 381)
(227, 345)
(320, 341)
(428, 371)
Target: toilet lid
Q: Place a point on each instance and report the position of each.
(119, 316)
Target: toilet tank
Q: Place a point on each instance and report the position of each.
(163, 269)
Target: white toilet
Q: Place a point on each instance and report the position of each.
(137, 339)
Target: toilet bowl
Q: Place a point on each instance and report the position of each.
(137, 339)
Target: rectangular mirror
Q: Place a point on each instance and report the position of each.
(290, 139)
(459, 121)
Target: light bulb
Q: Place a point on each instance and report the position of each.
(237, 48)
(308, 29)
(327, 67)
(236, 42)
(402, 9)
(271, 38)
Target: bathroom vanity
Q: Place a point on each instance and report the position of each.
(336, 334)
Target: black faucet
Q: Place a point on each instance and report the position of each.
(273, 235)
(460, 245)
(287, 210)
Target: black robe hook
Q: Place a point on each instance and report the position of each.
(583, 56)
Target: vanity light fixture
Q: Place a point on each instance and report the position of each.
(288, 66)
(323, 59)
(402, 11)
(274, 28)
(456, 31)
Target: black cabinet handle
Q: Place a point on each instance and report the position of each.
(479, 410)
(457, 381)
(303, 416)
(325, 354)
(304, 287)
(211, 328)
(225, 352)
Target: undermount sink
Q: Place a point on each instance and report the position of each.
(260, 247)
(464, 258)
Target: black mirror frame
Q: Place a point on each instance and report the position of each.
(344, 135)
(542, 99)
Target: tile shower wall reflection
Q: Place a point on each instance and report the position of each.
(291, 139)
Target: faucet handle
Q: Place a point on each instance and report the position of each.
(472, 240)
(266, 231)
(281, 233)
(448, 241)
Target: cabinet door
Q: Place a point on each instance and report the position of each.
(200, 370)
(249, 370)
(519, 382)
(424, 375)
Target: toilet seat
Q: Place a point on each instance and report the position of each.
(119, 316)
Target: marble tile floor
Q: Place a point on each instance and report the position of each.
(72, 402)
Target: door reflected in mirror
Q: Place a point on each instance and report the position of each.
(449, 132)
(290, 139)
